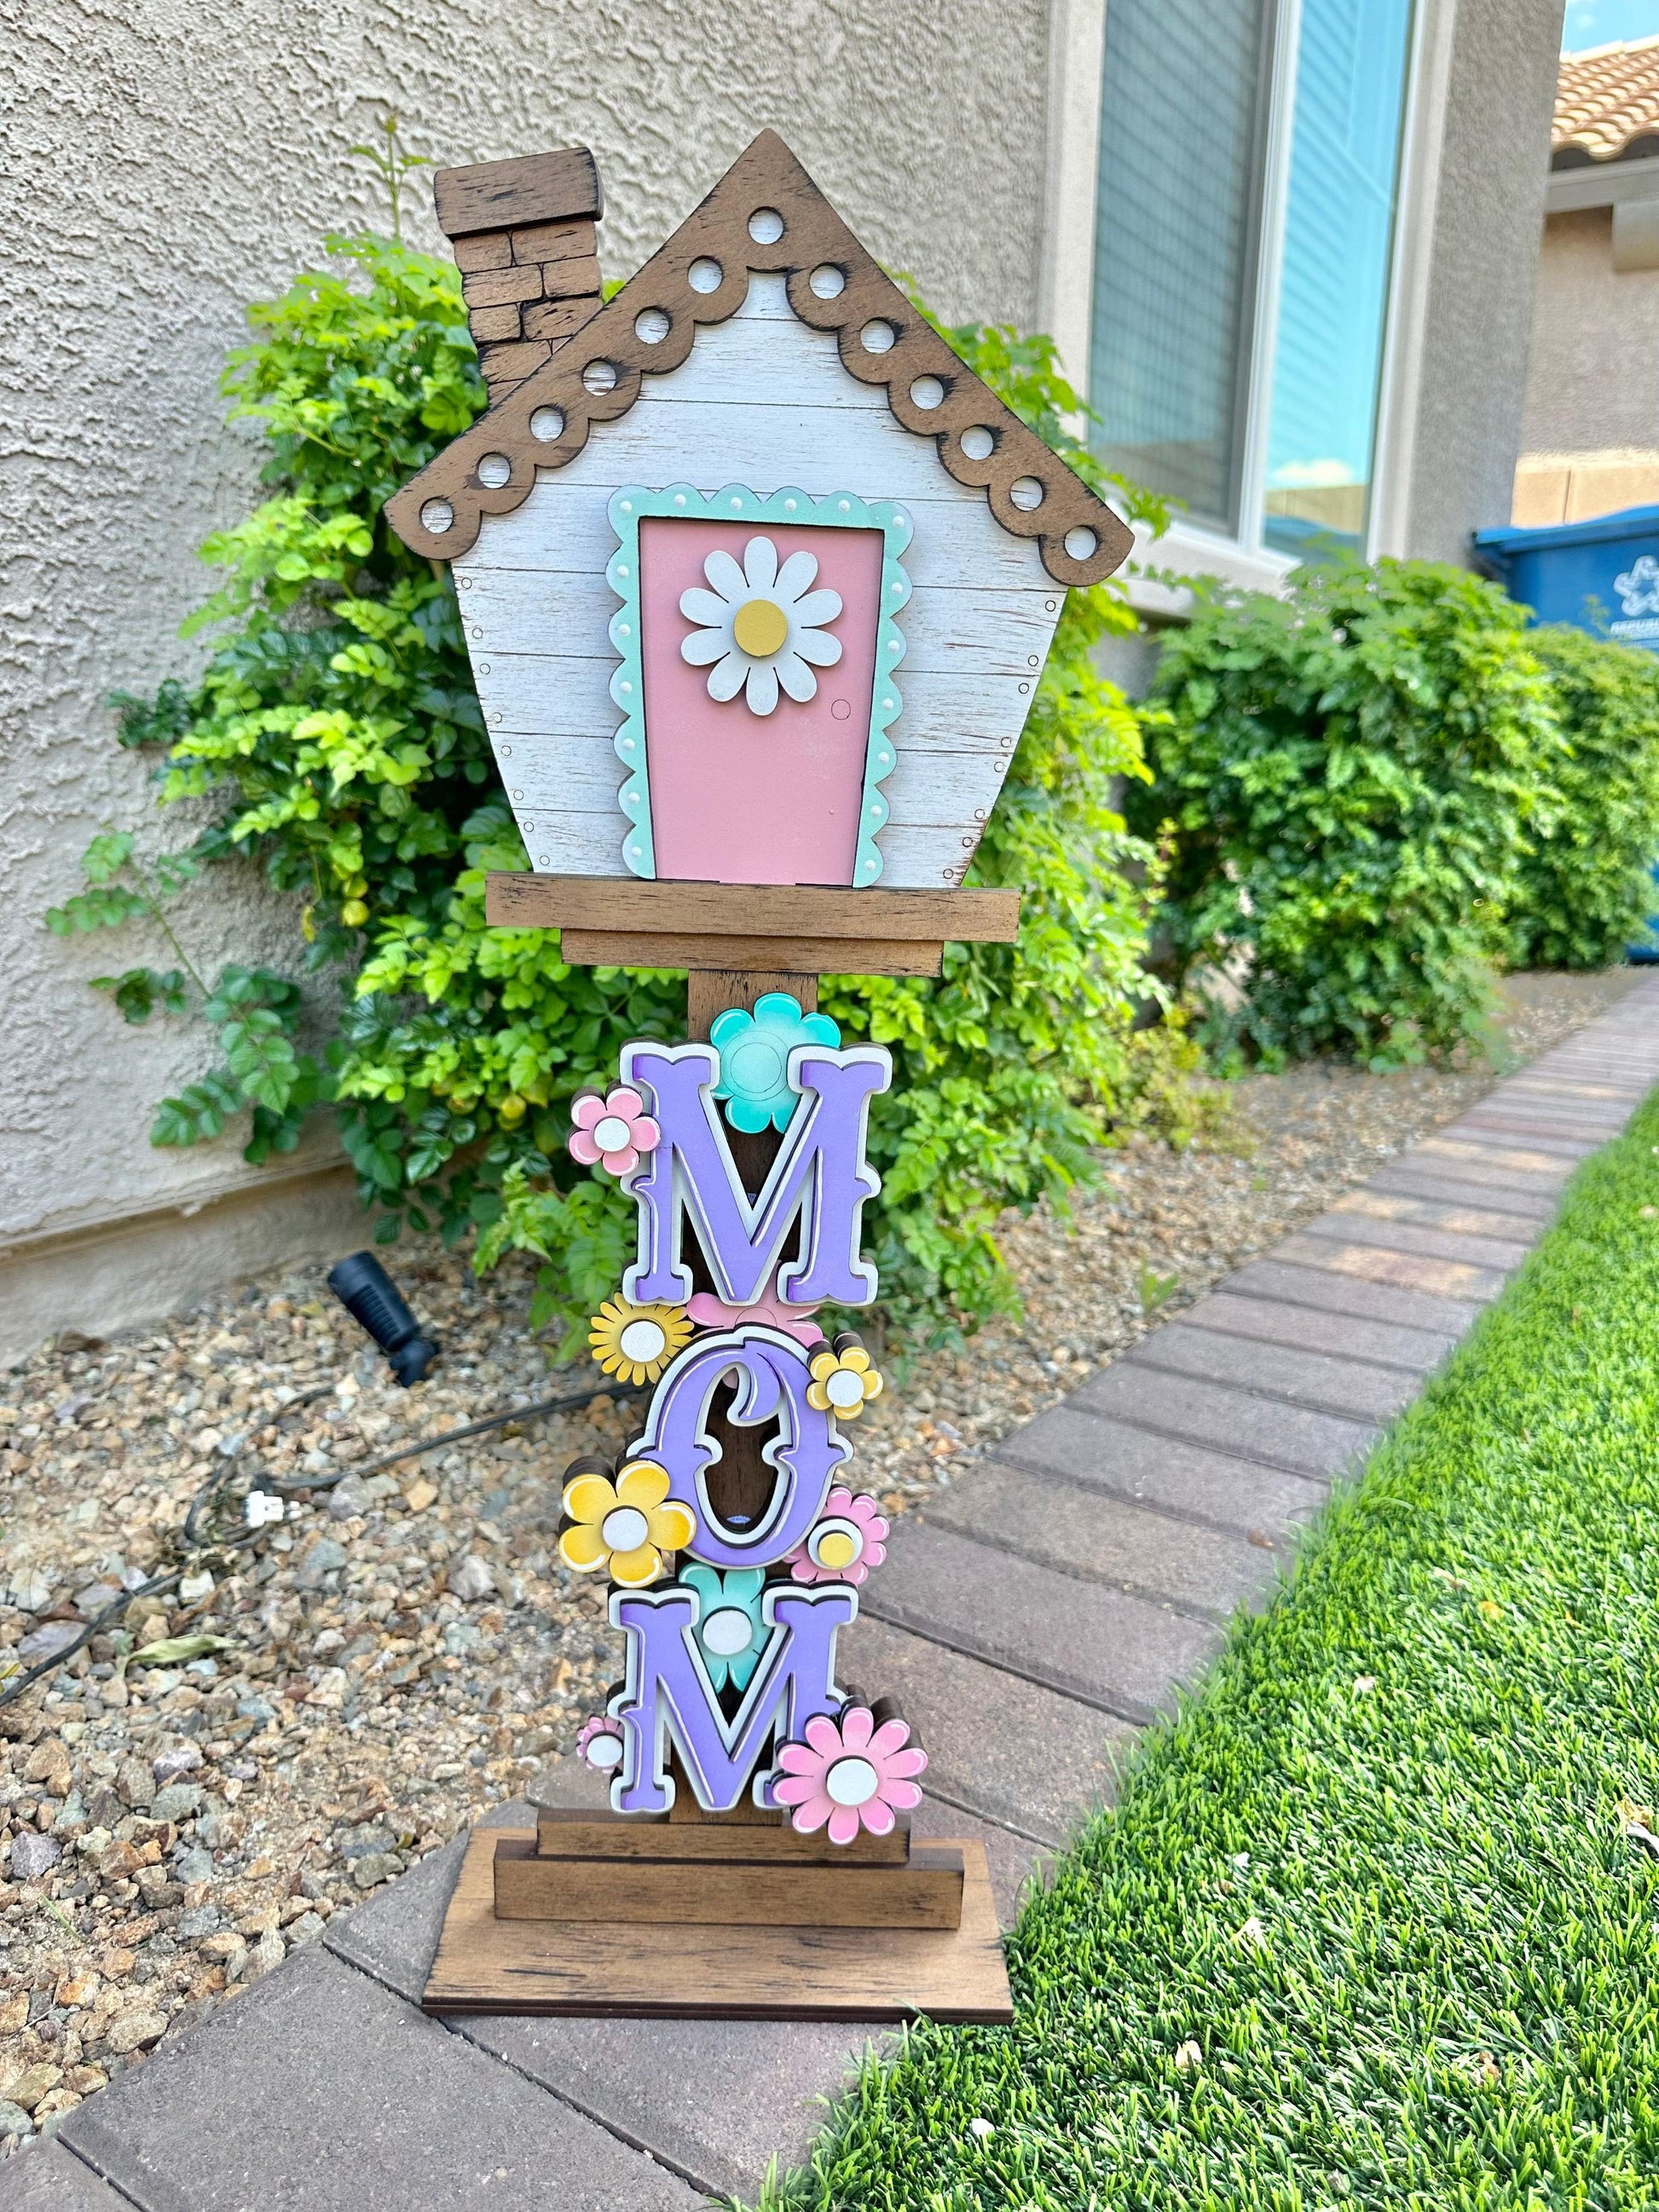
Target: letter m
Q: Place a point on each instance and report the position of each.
(819, 1178)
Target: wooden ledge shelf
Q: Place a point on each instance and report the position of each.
(713, 1971)
(781, 929)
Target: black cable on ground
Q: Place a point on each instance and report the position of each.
(252, 1539)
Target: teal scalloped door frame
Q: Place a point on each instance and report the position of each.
(842, 510)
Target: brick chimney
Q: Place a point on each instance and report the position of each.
(525, 241)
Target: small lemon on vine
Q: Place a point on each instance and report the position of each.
(354, 913)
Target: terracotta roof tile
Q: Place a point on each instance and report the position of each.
(1606, 100)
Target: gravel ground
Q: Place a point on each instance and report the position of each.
(404, 1649)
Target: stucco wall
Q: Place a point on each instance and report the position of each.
(169, 163)
(1489, 214)
(1594, 378)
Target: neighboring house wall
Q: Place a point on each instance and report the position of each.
(165, 172)
(1471, 377)
(1591, 443)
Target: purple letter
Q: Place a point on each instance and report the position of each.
(772, 1375)
(668, 1694)
(820, 1174)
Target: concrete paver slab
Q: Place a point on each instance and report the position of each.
(1477, 1155)
(43, 2177)
(319, 2090)
(1292, 1437)
(996, 1743)
(1357, 1297)
(1351, 1387)
(1145, 1467)
(716, 2100)
(1502, 1254)
(1385, 1344)
(1094, 1643)
(1534, 1207)
(1148, 1553)
(1461, 1217)
(1406, 1271)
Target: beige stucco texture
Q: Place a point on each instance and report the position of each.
(168, 163)
(1591, 440)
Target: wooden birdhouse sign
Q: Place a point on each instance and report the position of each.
(757, 580)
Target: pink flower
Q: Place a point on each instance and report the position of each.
(852, 1776)
(769, 1308)
(842, 1547)
(611, 1132)
(600, 1741)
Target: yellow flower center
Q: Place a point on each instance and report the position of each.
(759, 628)
(836, 1548)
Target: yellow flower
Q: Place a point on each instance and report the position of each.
(843, 1381)
(635, 1343)
(625, 1526)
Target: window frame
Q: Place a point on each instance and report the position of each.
(1236, 552)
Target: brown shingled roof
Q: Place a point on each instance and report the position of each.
(1607, 105)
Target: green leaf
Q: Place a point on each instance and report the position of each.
(105, 908)
(139, 991)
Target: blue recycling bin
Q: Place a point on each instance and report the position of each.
(1600, 575)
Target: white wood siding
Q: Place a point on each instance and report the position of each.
(762, 401)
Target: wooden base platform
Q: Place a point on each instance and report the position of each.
(714, 1972)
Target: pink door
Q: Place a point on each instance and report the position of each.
(740, 795)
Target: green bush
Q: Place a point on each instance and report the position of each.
(337, 730)
(1585, 891)
(1351, 773)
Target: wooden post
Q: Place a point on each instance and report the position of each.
(740, 1484)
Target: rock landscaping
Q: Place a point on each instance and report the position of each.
(200, 1789)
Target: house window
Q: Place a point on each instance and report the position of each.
(1249, 155)
(1333, 279)
(1183, 106)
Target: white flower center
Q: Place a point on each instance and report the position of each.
(851, 1781)
(625, 1529)
(728, 1631)
(759, 628)
(844, 1388)
(612, 1134)
(605, 1750)
(642, 1339)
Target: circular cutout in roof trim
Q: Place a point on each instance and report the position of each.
(547, 423)
(828, 282)
(495, 469)
(1082, 543)
(928, 392)
(437, 515)
(705, 274)
(599, 377)
(978, 443)
(766, 226)
(1027, 492)
(878, 337)
(651, 326)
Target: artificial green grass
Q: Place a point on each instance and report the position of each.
(1368, 1926)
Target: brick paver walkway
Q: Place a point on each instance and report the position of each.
(1127, 1524)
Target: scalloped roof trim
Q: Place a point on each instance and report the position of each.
(596, 376)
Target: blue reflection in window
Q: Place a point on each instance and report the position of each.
(1333, 286)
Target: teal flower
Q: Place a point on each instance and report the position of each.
(755, 1049)
(729, 1626)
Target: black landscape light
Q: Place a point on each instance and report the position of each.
(370, 1296)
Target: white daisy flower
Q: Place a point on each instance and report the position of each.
(759, 626)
